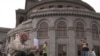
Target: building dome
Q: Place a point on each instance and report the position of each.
(62, 23)
(47, 4)
(42, 5)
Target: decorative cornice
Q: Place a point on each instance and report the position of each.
(34, 30)
(14, 31)
(64, 12)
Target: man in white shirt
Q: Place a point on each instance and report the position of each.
(18, 47)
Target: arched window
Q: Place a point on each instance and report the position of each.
(95, 33)
(61, 30)
(43, 30)
(80, 30)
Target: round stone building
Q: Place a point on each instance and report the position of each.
(62, 23)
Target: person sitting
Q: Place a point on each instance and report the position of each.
(18, 48)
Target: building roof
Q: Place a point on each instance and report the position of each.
(4, 29)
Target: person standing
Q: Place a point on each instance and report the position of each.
(45, 48)
(85, 48)
(93, 52)
(18, 47)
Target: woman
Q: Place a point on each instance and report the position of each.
(93, 52)
(45, 49)
(85, 48)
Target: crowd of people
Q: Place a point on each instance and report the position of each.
(18, 47)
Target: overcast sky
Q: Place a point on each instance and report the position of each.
(8, 7)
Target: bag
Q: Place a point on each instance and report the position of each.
(87, 49)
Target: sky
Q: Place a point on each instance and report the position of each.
(8, 8)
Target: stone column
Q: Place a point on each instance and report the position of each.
(72, 42)
(51, 43)
(89, 39)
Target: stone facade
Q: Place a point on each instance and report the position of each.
(3, 35)
(62, 23)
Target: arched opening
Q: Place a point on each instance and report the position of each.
(79, 30)
(61, 30)
(95, 33)
(43, 30)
